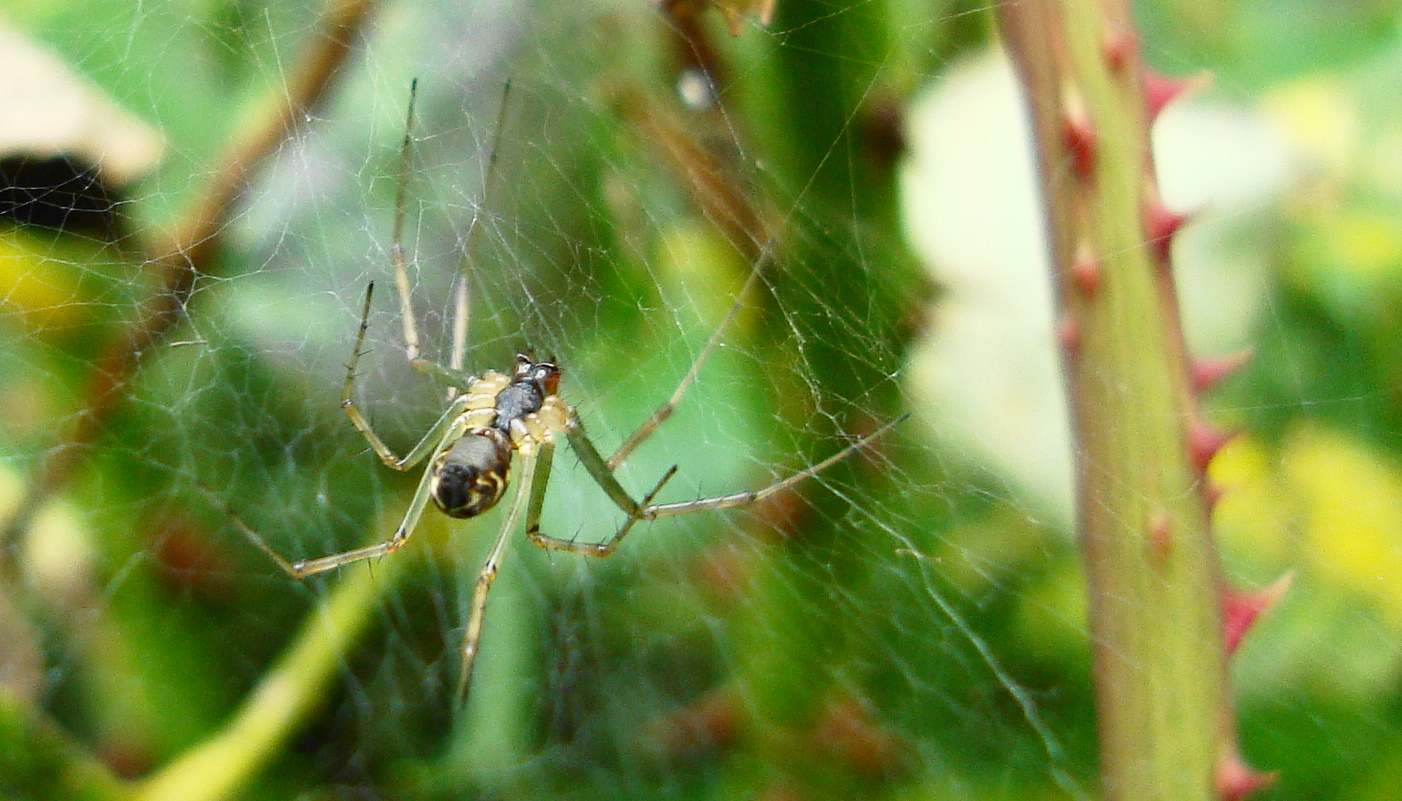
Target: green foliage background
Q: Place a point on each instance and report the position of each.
(907, 630)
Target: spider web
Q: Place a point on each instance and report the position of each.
(905, 624)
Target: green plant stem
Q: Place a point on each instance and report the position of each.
(35, 753)
(282, 701)
(1156, 629)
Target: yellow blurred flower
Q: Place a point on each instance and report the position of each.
(1330, 504)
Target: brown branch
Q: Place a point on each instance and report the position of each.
(186, 251)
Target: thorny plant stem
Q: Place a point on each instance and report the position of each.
(1154, 590)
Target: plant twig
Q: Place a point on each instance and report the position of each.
(287, 694)
(36, 753)
(1141, 448)
(185, 252)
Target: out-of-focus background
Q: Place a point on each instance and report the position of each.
(907, 625)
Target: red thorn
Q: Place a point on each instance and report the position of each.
(1086, 270)
(714, 720)
(1079, 137)
(1204, 441)
(1160, 225)
(1240, 609)
(849, 732)
(1206, 373)
(1211, 494)
(1119, 46)
(1236, 781)
(1160, 535)
(1160, 90)
(1068, 333)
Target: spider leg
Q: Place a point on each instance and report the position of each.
(529, 493)
(750, 496)
(664, 411)
(322, 564)
(452, 376)
(598, 470)
(247, 530)
(462, 290)
(646, 510)
(433, 439)
(545, 456)
(596, 548)
(462, 301)
(401, 534)
(401, 273)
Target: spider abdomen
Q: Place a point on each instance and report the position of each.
(470, 477)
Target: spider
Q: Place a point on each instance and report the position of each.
(496, 418)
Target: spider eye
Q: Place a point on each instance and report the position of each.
(548, 375)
